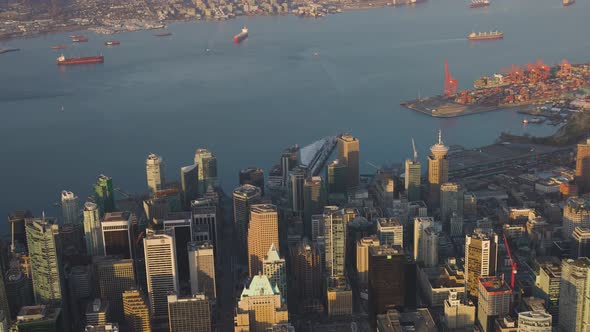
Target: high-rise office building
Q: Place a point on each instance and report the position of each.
(336, 174)
(137, 313)
(481, 258)
(348, 150)
(390, 231)
(494, 300)
(97, 313)
(154, 168)
(583, 166)
(253, 176)
(244, 197)
(413, 176)
(80, 290)
(189, 184)
(260, 306)
(207, 169)
(92, 230)
(534, 321)
(180, 225)
(438, 169)
(4, 303)
(335, 242)
(426, 233)
(204, 221)
(296, 182)
(69, 208)
(201, 262)
(189, 314)
(104, 194)
(392, 280)
(574, 295)
(19, 290)
(548, 286)
(581, 242)
(113, 276)
(289, 159)
(451, 201)
(263, 231)
(116, 234)
(274, 267)
(161, 271)
(362, 257)
(459, 315)
(338, 297)
(576, 213)
(314, 200)
(307, 273)
(44, 246)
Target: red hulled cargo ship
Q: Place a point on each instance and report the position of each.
(241, 36)
(486, 35)
(62, 60)
(479, 3)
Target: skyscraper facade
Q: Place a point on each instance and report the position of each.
(274, 268)
(438, 169)
(161, 272)
(201, 262)
(549, 286)
(179, 224)
(583, 166)
(207, 169)
(494, 300)
(581, 242)
(289, 159)
(426, 233)
(104, 194)
(336, 174)
(263, 232)
(137, 314)
(116, 234)
(296, 183)
(154, 168)
(390, 231)
(204, 221)
(244, 197)
(69, 208)
(253, 176)
(413, 178)
(44, 246)
(451, 201)
(92, 230)
(574, 295)
(114, 276)
(335, 242)
(576, 213)
(362, 257)
(348, 150)
(459, 315)
(481, 256)
(189, 314)
(307, 274)
(189, 184)
(314, 200)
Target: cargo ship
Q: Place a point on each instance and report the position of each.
(112, 42)
(163, 34)
(241, 36)
(59, 47)
(568, 2)
(6, 50)
(479, 3)
(62, 60)
(486, 35)
(76, 36)
(79, 40)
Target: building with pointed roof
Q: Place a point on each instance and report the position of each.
(260, 306)
(273, 266)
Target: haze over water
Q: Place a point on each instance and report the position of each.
(247, 102)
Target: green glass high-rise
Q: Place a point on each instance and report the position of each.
(337, 172)
(43, 240)
(104, 194)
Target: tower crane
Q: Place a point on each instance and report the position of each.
(513, 265)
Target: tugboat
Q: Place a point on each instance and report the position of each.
(241, 36)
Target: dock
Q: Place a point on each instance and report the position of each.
(314, 156)
(442, 107)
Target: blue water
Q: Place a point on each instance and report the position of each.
(247, 102)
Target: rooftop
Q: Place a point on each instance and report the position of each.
(389, 222)
(246, 190)
(259, 286)
(263, 208)
(116, 216)
(386, 250)
(495, 285)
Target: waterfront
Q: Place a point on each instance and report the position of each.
(248, 102)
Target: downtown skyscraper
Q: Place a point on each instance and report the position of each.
(92, 229)
(348, 150)
(583, 166)
(161, 271)
(104, 194)
(244, 197)
(481, 258)
(69, 208)
(413, 176)
(154, 168)
(438, 169)
(207, 169)
(263, 232)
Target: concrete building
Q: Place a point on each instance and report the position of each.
(314, 200)
(335, 222)
(201, 262)
(413, 174)
(274, 268)
(189, 314)
(92, 230)
(481, 258)
(189, 184)
(459, 314)
(69, 208)
(180, 225)
(583, 166)
(338, 297)
(161, 271)
(393, 321)
(438, 169)
(259, 307)
(295, 185)
(44, 244)
(451, 202)
(39, 318)
(362, 258)
(581, 242)
(204, 221)
(426, 233)
(348, 150)
(244, 197)
(137, 313)
(207, 169)
(289, 160)
(437, 282)
(390, 231)
(307, 273)
(97, 313)
(263, 231)
(116, 234)
(576, 213)
(253, 176)
(19, 291)
(114, 276)
(548, 286)
(494, 300)
(574, 295)
(534, 321)
(337, 174)
(104, 194)
(154, 168)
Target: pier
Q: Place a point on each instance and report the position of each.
(314, 156)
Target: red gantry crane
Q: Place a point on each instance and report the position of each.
(450, 88)
(512, 263)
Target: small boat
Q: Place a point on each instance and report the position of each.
(62, 108)
(112, 42)
(58, 47)
(525, 121)
(163, 34)
(79, 40)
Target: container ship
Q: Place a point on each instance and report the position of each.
(62, 60)
(479, 3)
(568, 2)
(241, 36)
(112, 42)
(486, 35)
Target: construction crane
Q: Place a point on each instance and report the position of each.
(513, 265)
